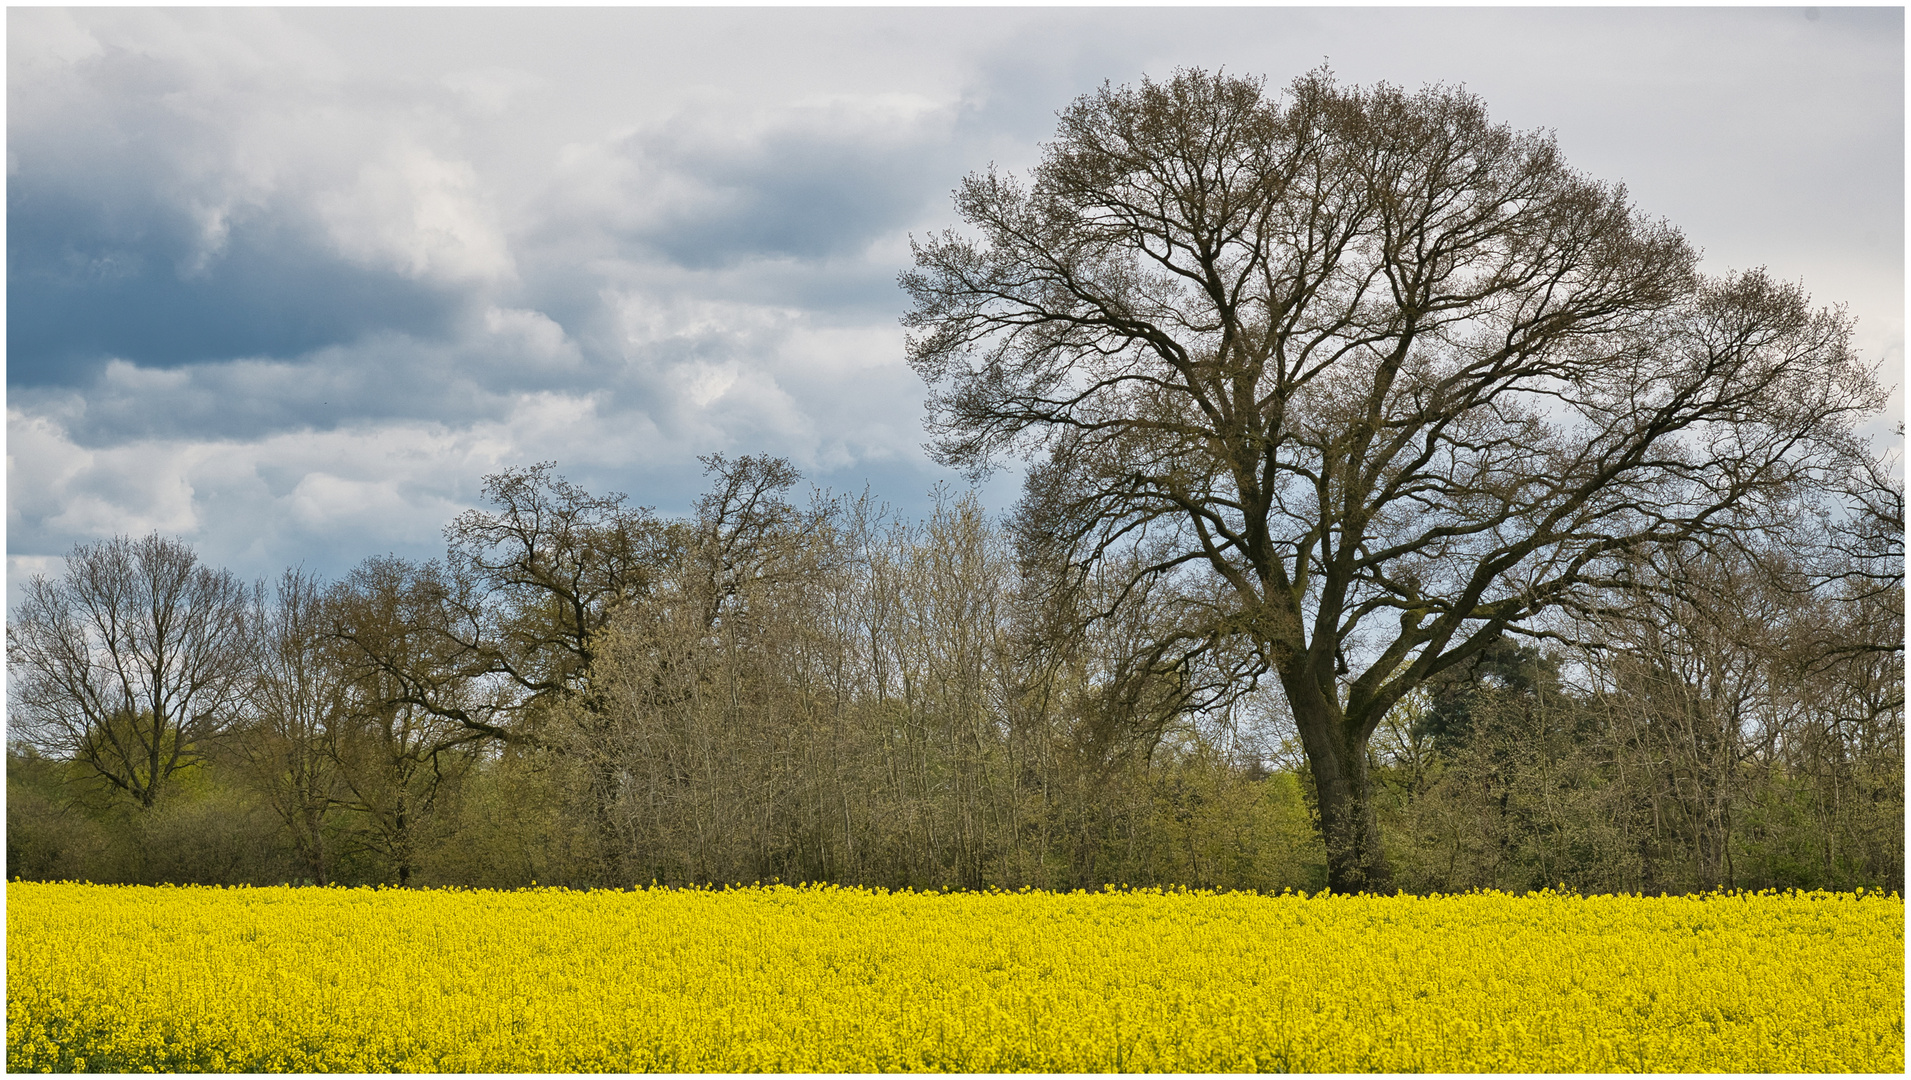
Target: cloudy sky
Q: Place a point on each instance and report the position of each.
(289, 283)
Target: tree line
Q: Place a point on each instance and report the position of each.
(582, 692)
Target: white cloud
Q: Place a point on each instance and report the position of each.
(55, 488)
(534, 336)
(419, 214)
(261, 503)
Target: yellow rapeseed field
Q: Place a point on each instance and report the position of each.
(837, 979)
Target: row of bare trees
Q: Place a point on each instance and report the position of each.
(586, 693)
(1733, 723)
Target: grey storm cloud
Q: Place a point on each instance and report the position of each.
(288, 283)
(72, 306)
(822, 182)
(165, 202)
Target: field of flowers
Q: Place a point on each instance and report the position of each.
(129, 979)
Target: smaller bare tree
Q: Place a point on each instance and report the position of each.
(132, 660)
(299, 697)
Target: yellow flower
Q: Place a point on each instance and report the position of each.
(837, 979)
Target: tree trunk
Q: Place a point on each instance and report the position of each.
(312, 844)
(1337, 756)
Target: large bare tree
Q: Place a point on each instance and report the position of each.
(1375, 380)
(131, 660)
